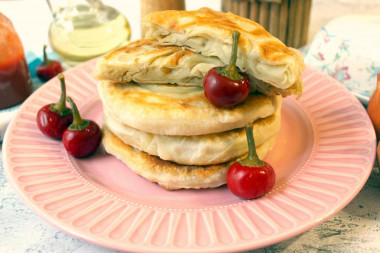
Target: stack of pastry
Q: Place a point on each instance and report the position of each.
(157, 119)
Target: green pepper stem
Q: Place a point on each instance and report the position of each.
(60, 107)
(231, 71)
(78, 122)
(234, 51)
(252, 159)
(46, 60)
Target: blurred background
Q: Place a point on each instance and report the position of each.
(32, 21)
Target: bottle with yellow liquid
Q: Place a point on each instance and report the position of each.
(83, 30)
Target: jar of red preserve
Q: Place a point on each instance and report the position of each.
(15, 82)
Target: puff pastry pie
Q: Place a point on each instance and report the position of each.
(147, 61)
(209, 32)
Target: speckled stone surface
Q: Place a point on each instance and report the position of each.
(356, 228)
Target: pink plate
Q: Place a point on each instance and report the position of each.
(323, 156)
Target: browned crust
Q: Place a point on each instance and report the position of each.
(160, 171)
(271, 49)
(155, 49)
(191, 115)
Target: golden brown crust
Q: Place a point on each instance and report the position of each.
(146, 61)
(196, 149)
(271, 49)
(167, 174)
(154, 111)
(209, 32)
(130, 48)
(135, 47)
(170, 175)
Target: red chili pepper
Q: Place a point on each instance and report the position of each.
(48, 68)
(53, 119)
(251, 177)
(226, 86)
(82, 137)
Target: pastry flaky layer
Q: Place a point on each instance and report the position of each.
(179, 110)
(147, 61)
(196, 149)
(170, 175)
(209, 32)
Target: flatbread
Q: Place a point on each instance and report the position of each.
(209, 32)
(169, 175)
(175, 110)
(199, 149)
(146, 61)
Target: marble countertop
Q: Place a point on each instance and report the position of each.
(356, 228)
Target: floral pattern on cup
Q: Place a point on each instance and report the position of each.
(343, 59)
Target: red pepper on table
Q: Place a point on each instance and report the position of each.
(48, 68)
(226, 86)
(53, 119)
(251, 177)
(82, 137)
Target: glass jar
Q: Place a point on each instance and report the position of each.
(82, 30)
(15, 82)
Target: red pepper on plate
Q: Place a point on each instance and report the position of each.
(53, 119)
(83, 136)
(251, 177)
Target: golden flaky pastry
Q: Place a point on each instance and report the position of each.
(197, 149)
(146, 61)
(209, 32)
(179, 110)
(169, 175)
